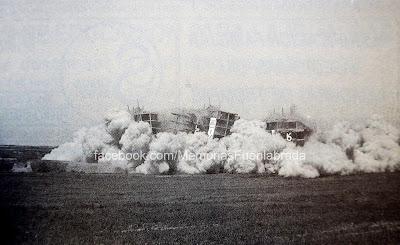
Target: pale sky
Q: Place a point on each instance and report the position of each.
(66, 63)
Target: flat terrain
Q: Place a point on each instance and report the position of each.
(77, 208)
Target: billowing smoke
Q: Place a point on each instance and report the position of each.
(70, 151)
(319, 159)
(249, 144)
(123, 145)
(202, 155)
(135, 141)
(163, 154)
(241, 152)
(369, 147)
(117, 137)
(379, 148)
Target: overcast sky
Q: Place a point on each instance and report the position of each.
(65, 63)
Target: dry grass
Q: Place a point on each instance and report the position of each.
(72, 208)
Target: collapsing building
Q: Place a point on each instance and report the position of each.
(184, 121)
(138, 114)
(219, 123)
(215, 122)
(291, 126)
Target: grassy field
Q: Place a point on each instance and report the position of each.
(73, 208)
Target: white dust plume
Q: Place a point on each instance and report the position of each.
(122, 145)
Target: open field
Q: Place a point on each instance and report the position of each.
(72, 208)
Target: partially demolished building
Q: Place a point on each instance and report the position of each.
(211, 119)
(138, 114)
(215, 122)
(292, 126)
(218, 123)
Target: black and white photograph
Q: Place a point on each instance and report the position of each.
(200, 122)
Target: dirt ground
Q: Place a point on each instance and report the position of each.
(225, 208)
